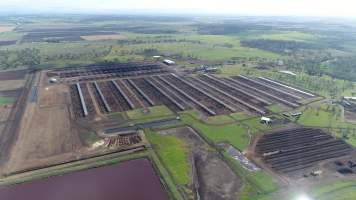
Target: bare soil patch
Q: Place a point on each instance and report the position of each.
(4, 113)
(13, 75)
(350, 116)
(44, 133)
(11, 84)
(6, 28)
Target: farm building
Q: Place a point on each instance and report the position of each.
(266, 120)
(169, 62)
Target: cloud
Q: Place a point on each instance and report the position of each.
(254, 7)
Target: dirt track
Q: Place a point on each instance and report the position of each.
(213, 179)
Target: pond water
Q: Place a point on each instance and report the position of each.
(130, 180)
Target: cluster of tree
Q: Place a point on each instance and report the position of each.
(323, 84)
(342, 68)
(150, 52)
(278, 46)
(226, 45)
(29, 57)
(320, 63)
(138, 41)
(89, 55)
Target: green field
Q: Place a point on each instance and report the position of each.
(6, 100)
(149, 113)
(340, 190)
(255, 184)
(276, 108)
(280, 35)
(256, 126)
(220, 119)
(240, 116)
(233, 134)
(330, 118)
(9, 36)
(174, 155)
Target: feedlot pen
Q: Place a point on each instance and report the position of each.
(116, 91)
(295, 151)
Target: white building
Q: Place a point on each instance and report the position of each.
(266, 120)
(169, 62)
(53, 80)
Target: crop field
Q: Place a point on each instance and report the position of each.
(280, 35)
(64, 34)
(296, 150)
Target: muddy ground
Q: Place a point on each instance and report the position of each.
(350, 116)
(212, 177)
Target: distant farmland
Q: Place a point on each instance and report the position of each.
(103, 37)
(6, 28)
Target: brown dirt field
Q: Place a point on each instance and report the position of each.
(4, 113)
(47, 134)
(44, 133)
(54, 95)
(11, 93)
(103, 37)
(6, 28)
(11, 84)
(212, 177)
(350, 116)
(13, 74)
(2, 126)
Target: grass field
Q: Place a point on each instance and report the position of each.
(233, 134)
(240, 116)
(220, 119)
(6, 100)
(317, 116)
(153, 112)
(256, 126)
(174, 154)
(204, 47)
(276, 108)
(89, 138)
(8, 36)
(340, 190)
(255, 184)
(330, 118)
(281, 35)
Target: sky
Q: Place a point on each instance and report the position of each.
(343, 8)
